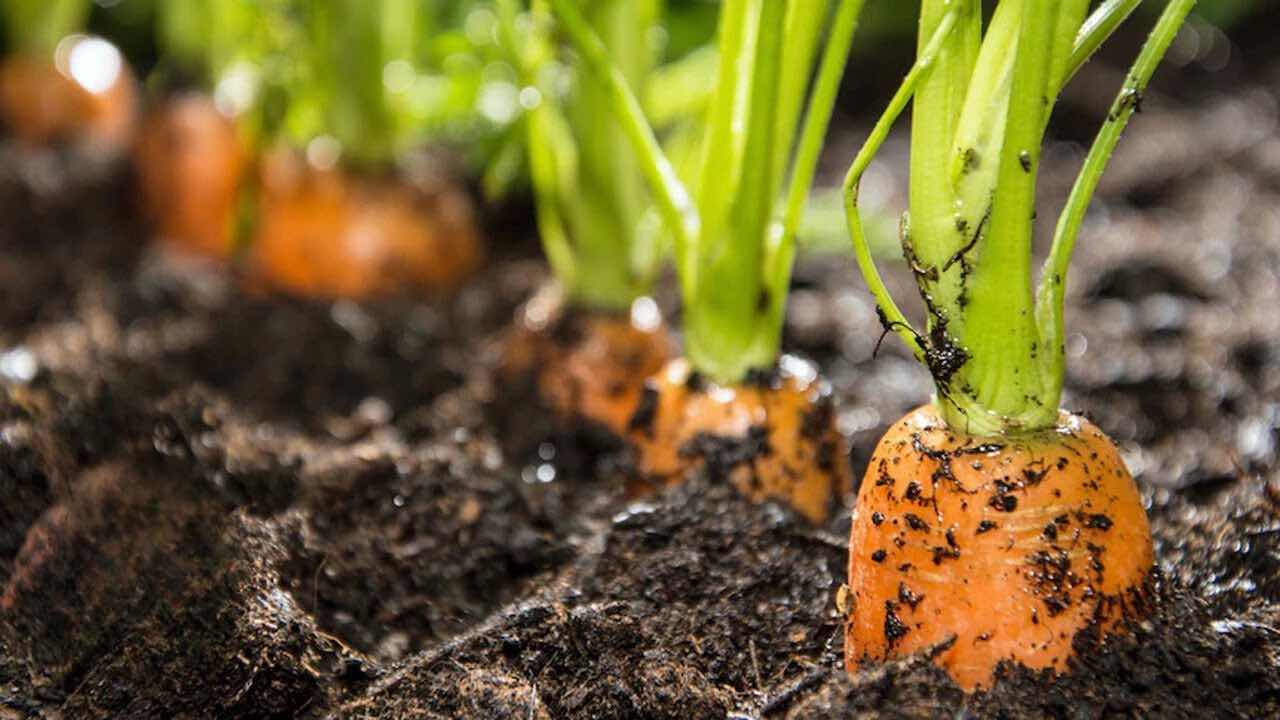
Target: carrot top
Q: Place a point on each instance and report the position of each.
(349, 79)
(591, 202)
(982, 102)
(735, 241)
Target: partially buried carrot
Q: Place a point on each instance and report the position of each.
(190, 163)
(772, 436)
(991, 526)
(327, 233)
(84, 92)
(732, 406)
(588, 364)
(1009, 545)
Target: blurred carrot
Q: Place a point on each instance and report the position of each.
(190, 162)
(732, 405)
(86, 93)
(326, 233)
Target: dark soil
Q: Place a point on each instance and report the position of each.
(222, 505)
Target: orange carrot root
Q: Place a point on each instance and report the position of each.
(1010, 547)
(585, 364)
(42, 104)
(323, 233)
(773, 437)
(190, 163)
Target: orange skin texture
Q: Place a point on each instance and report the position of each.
(190, 163)
(590, 364)
(324, 233)
(41, 106)
(1019, 546)
(804, 464)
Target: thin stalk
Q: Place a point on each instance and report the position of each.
(891, 315)
(1052, 287)
(725, 139)
(1095, 31)
(604, 209)
(671, 197)
(826, 87)
(722, 320)
(805, 22)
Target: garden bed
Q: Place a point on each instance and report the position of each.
(283, 508)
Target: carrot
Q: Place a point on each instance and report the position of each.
(1010, 546)
(87, 95)
(326, 233)
(190, 163)
(587, 365)
(589, 339)
(990, 523)
(773, 437)
(731, 405)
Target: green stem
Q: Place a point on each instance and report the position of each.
(722, 337)
(1095, 31)
(817, 118)
(1052, 287)
(892, 315)
(999, 388)
(672, 197)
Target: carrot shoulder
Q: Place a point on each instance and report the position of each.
(1010, 546)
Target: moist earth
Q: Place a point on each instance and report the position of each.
(223, 504)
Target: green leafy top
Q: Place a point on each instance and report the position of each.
(38, 25)
(376, 76)
(735, 242)
(982, 105)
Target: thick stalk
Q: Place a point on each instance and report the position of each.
(936, 110)
(999, 387)
(721, 337)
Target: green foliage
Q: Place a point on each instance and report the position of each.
(982, 104)
(378, 76)
(734, 244)
(38, 25)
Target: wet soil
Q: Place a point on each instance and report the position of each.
(217, 504)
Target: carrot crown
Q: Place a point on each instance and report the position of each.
(982, 103)
(735, 241)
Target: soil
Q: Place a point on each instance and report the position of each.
(217, 504)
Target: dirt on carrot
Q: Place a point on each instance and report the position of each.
(1006, 548)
